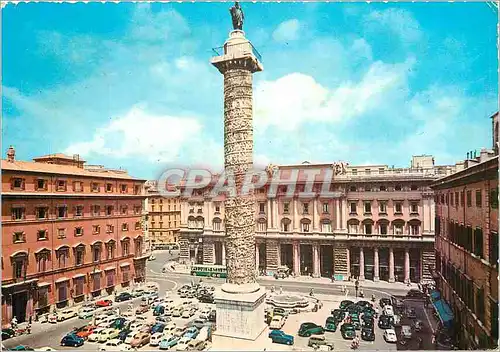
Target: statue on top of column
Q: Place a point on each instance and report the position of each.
(237, 16)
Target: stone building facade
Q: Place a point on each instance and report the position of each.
(380, 227)
(467, 247)
(69, 233)
(163, 217)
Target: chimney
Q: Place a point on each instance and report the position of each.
(11, 154)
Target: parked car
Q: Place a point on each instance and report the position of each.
(388, 310)
(367, 334)
(131, 336)
(331, 324)
(338, 315)
(345, 303)
(188, 313)
(277, 322)
(141, 339)
(8, 333)
(157, 327)
(179, 330)
(205, 313)
(86, 331)
(414, 293)
(72, 340)
(316, 341)
(278, 336)
(212, 317)
(123, 296)
(348, 331)
(384, 301)
(308, 329)
(182, 344)
(199, 323)
(66, 314)
(163, 319)
(104, 303)
(122, 335)
(143, 308)
(53, 318)
(86, 312)
(155, 339)
(191, 332)
(115, 345)
(21, 348)
(390, 336)
(138, 292)
(406, 332)
(107, 334)
(397, 320)
(169, 328)
(385, 322)
(168, 342)
(196, 345)
(94, 336)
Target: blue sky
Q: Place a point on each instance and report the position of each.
(130, 85)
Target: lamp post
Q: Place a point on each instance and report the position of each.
(356, 287)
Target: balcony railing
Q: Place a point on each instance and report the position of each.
(222, 50)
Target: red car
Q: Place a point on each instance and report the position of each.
(104, 303)
(86, 331)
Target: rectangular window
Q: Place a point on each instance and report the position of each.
(41, 184)
(78, 231)
(19, 237)
(95, 187)
(353, 208)
(494, 198)
(381, 171)
(19, 268)
(109, 187)
(368, 207)
(42, 235)
(78, 186)
(18, 213)
(79, 259)
(79, 210)
(414, 208)
(109, 210)
(480, 306)
(110, 251)
(285, 227)
(96, 210)
(137, 210)
(42, 213)
(62, 258)
(326, 227)
(368, 229)
(109, 228)
(18, 183)
(367, 172)
(123, 188)
(305, 227)
(123, 210)
(382, 208)
(137, 189)
(61, 233)
(493, 248)
(398, 208)
(462, 198)
(61, 185)
(414, 230)
(354, 171)
(96, 229)
(137, 225)
(469, 198)
(124, 226)
(305, 208)
(479, 198)
(325, 207)
(125, 248)
(96, 254)
(478, 242)
(42, 262)
(62, 211)
(217, 207)
(262, 208)
(286, 207)
(383, 229)
(398, 229)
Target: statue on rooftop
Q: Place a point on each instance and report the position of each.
(237, 16)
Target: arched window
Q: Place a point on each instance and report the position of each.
(19, 264)
(326, 226)
(42, 257)
(96, 248)
(352, 226)
(262, 225)
(285, 225)
(368, 226)
(79, 252)
(414, 225)
(125, 246)
(217, 224)
(200, 222)
(398, 226)
(383, 226)
(110, 249)
(191, 222)
(305, 225)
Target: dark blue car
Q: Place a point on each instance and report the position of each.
(158, 327)
(72, 340)
(122, 335)
(278, 336)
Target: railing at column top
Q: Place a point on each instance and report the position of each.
(221, 50)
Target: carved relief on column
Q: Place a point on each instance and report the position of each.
(271, 255)
(361, 264)
(376, 269)
(391, 265)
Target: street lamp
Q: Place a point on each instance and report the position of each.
(356, 286)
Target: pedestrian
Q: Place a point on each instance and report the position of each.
(13, 323)
(30, 320)
(28, 329)
(281, 290)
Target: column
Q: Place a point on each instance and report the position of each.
(337, 214)
(407, 265)
(269, 215)
(433, 214)
(278, 254)
(315, 260)
(344, 214)
(275, 206)
(257, 256)
(296, 258)
(315, 214)
(206, 217)
(361, 264)
(391, 265)
(375, 265)
(213, 253)
(295, 220)
(223, 253)
(195, 254)
(348, 262)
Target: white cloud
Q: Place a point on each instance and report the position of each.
(400, 22)
(297, 98)
(140, 134)
(287, 31)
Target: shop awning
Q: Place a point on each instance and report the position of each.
(444, 312)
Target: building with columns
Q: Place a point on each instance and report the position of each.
(467, 246)
(70, 232)
(378, 226)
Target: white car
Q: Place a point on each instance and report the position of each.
(388, 310)
(277, 322)
(108, 334)
(390, 335)
(104, 318)
(136, 325)
(155, 339)
(106, 323)
(183, 343)
(94, 337)
(169, 328)
(115, 345)
(86, 313)
(66, 314)
(188, 313)
(205, 313)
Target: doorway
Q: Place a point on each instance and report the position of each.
(287, 255)
(326, 263)
(19, 303)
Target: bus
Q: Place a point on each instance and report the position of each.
(209, 270)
